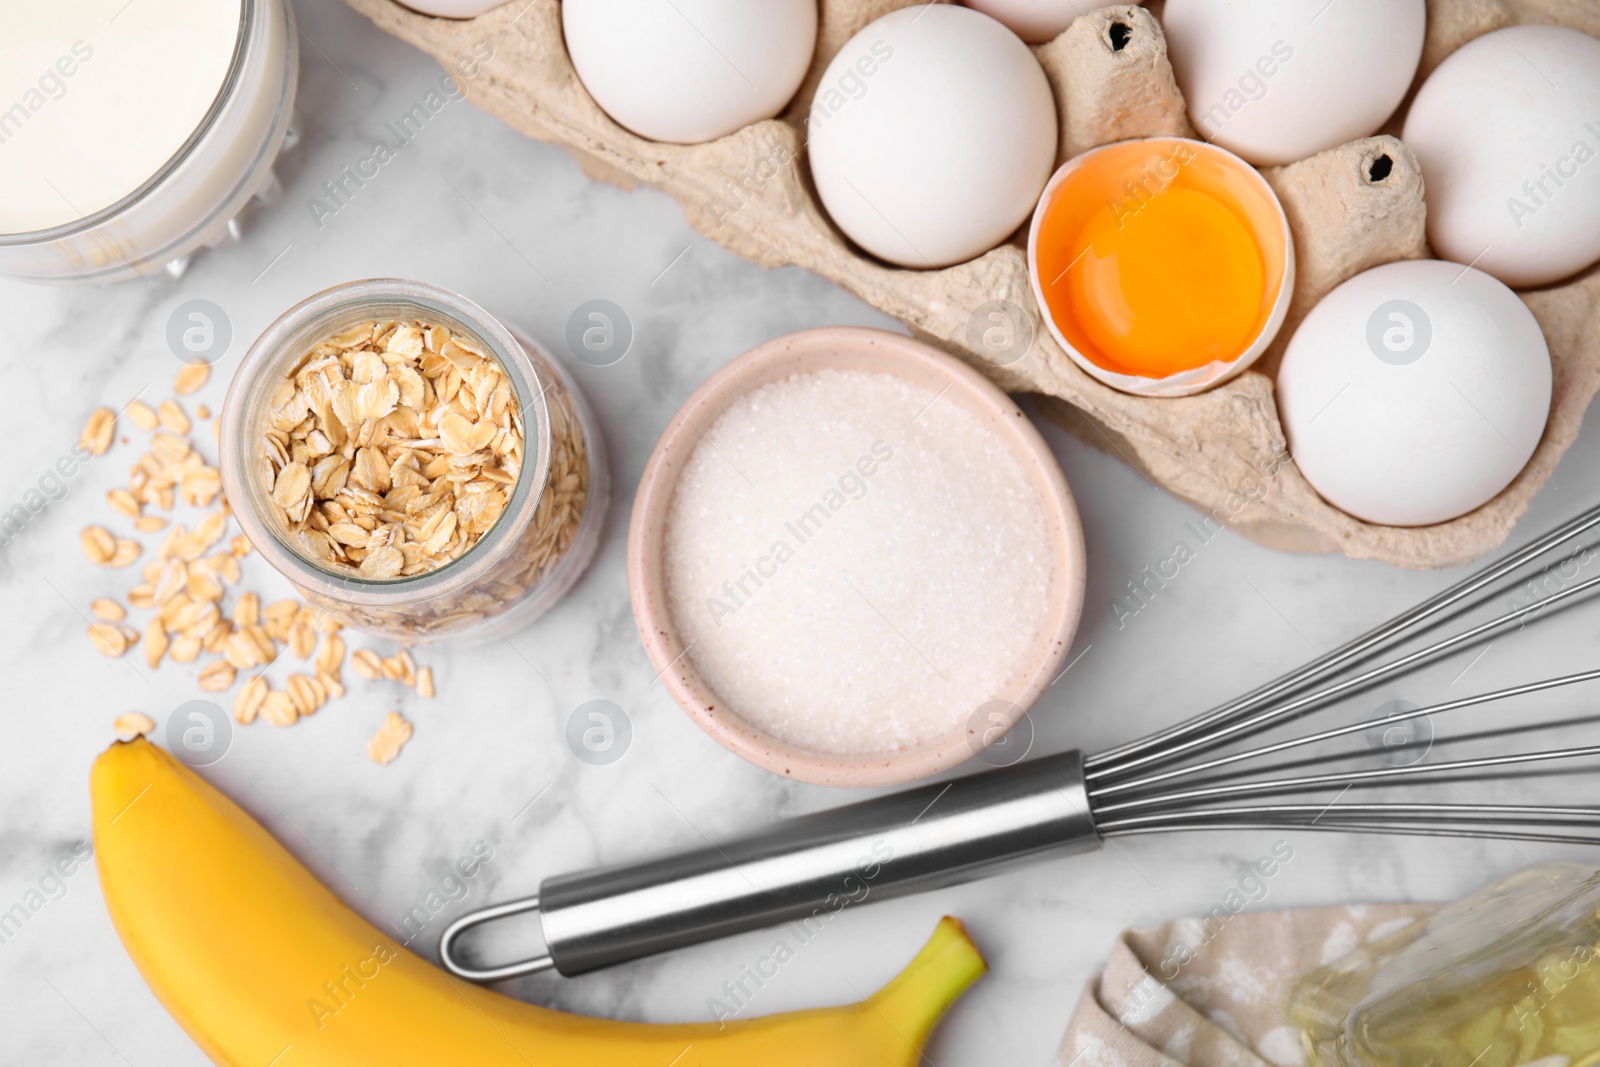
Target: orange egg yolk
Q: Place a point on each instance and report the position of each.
(1160, 256)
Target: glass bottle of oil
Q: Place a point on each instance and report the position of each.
(1508, 976)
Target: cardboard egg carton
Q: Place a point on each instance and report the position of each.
(1351, 208)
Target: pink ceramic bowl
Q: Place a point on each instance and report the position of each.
(847, 348)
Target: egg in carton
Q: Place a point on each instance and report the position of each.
(1351, 208)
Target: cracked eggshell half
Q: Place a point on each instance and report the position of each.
(1163, 266)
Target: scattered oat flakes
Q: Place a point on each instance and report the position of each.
(131, 724)
(244, 651)
(401, 668)
(330, 684)
(279, 708)
(216, 676)
(425, 682)
(279, 615)
(190, 378)
(306, 694)
(155, 643)
(123, 501)
(390, 738)
(98, 431)
(330, 657)
(109, 639)
(367, 664)
(250, 700)
(98, 544)
(204, 586)
(302, 639)
(124, 553)
(217, 637)
(172, 417)
(186, 582)
(143, 415)
(202, 412)
(247, 610)
(170, 578)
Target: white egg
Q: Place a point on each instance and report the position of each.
(688, 71)
(1280, 80)
(1035, 21)
(932, 134)
(1507, 130)
(1414, 392)
(453, 9)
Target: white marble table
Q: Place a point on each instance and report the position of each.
(471, 205)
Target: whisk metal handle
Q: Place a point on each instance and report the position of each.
(802, 870)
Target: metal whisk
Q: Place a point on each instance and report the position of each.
(1224, 769)
(1177, 779)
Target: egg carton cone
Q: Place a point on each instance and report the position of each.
(1352, 207)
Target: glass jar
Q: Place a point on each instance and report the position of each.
(531, 555)
(1509, 975)
(194, 199)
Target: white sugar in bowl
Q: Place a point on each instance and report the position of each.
(1415, 392)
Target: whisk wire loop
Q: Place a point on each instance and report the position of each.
(1175, 779)
(1163, 745)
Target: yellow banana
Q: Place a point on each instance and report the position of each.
(261, 964)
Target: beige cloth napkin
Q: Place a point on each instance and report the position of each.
(1210, 992)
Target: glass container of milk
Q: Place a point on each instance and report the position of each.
(132, 134)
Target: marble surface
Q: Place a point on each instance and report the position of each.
(513, 224)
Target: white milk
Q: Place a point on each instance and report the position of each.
(133, 133)
(96, 96)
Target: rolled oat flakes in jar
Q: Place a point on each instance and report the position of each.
(417, 469)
